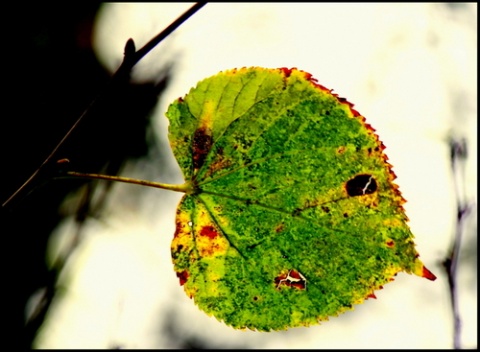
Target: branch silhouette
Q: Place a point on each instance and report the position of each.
(121, 76)
(458, 157)
(34, 275)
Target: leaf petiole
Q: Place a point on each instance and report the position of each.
(184, 188)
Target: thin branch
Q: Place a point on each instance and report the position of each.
(152, 43)
(130, 59)
(458, 156)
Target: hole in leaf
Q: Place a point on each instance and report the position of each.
(361, 185)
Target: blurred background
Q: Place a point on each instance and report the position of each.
(88, 263)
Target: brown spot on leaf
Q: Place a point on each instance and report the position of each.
(280, 278)
(182, 276)
(178, 228)
(209, 231)
(286, 71)
(219, 163)
(202, 142)
(372, 295)
(301, 285)
(390, 243)
(325, 209)
(292, 278)
(361, 185)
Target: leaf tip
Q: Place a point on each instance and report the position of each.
(428, 274)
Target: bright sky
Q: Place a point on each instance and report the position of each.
(410, 69)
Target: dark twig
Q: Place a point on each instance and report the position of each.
(131, 57)
(458, 157)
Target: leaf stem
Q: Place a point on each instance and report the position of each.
(184, 188)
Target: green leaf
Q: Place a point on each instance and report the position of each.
(292, 215)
